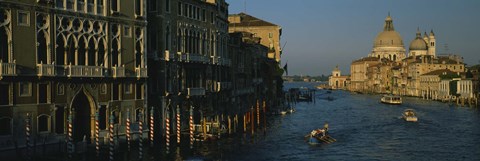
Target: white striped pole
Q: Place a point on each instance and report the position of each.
(111, 143)
(140, 130)
(151, 127)
(27, 134)
(191, 127)
(128, 130)
(167, 131)
(178, 124)
(70, 134)
(97, 132)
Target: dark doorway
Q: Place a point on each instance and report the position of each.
(81, 122)
(59, 120)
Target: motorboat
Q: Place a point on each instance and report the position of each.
(409, 115)
(391, 99)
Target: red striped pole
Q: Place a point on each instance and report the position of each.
(97, 131)
(70, 134)
(258, 113)
(128, 130)
(178, 124)
(140, 130)
(111, 142)
(151, 127)
(167, 131)
(191, 127)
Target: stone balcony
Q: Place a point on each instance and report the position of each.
(8, 69)
(171, 56)
(118, 72)
(84, 71)
(45, 70)
(141, 72)
(195, 91)
(223, 86)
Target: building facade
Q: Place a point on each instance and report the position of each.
(336, 80)
(65, 62)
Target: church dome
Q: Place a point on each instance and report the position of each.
(388, 37)
(418, 43)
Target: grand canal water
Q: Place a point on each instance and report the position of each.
(364, 128)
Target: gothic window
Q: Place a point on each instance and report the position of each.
(90, 6)
(60, 4)
(80, 5)
(180, 8)
(204, 15)
(23, 18)
(101, 53)
(59, 119)
(115, 90)
(81, 54)
(25, 89)
(41, 48)
(92, 53)
(115, 5)
(394, 57)
(71, 48)
(115, 53)
(139, 42)
(100, 7)
(5, 93)
(167, 5)
(103, 89)
(102, 117)
(4, 28)
(152, 5)
(43, 93)
(139, 7)
(60, 51)
(43, 124)
(70, 4)
(6, 124)
(139, 91)
(167, 38)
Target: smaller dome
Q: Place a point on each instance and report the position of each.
(418, 44)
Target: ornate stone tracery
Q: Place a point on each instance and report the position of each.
(6, 50)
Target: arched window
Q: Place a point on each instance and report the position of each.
(167, 38)
(6, 124)
(81, 54)
(4, 47)
(91, 53)
(43, 124)
(394, 57)
(101, 53)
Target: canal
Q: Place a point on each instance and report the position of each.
(364, 128)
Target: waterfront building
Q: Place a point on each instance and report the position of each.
(188, 48)
(269, 33)
(336, 80)
(393, 72)
(65, 62)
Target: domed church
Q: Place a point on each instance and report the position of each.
(422, 46)
(388, 43)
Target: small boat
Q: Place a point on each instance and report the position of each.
(283, 112)
(391, 99)
(319, 136)
(409, 115)
(291, 110)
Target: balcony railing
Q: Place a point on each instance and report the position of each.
(8, 69)
(84, 71)
(196, 91)
(170, 56)
(118, 72)
(214, 60)
(45, 69)
(141, 72)
(194, 58)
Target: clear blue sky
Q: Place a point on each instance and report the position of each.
(323, 33)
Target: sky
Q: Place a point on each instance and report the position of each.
(320, 34)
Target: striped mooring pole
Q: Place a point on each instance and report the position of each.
(151, 127)
(128, 130)
(111, 142)
(178, 124)
(27, 134)
(258, 113)
(97, 132)
(167, 131)
(140, 130)
(191, 127)
(70, 134)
